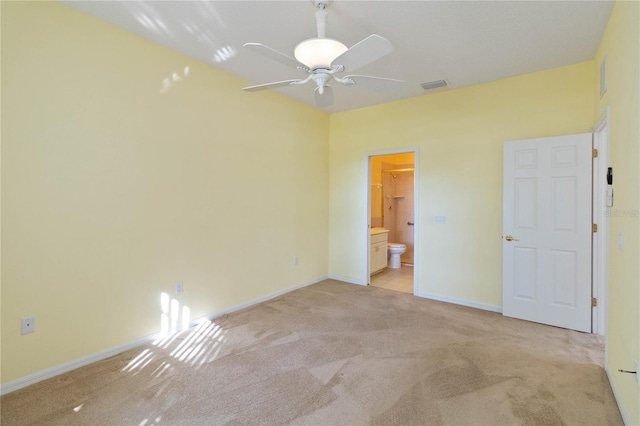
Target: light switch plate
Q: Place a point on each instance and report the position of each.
(440, 220)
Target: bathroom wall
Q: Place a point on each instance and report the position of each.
(376, 199)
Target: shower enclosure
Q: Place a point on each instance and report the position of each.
(397, 206)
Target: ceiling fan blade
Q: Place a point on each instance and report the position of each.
(364, 52)
(274, 54)
(375, 84)
(325, 99)
(273, 85)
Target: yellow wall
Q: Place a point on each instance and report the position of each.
(459, 135)
(621, 45)
(112, 192)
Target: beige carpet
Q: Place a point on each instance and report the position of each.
(335, 353)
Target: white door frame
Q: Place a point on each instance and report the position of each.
(367, 208)
(600, 250)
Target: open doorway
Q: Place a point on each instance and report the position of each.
(392, 221)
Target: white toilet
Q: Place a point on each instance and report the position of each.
(395, 250)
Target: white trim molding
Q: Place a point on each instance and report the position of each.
(48, 373)
(346, 280)
(616, 395)
(600, 248)
(462, 302)
(39, 376)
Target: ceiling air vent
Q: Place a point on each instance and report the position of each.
(430, 85)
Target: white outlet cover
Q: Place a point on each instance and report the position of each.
(27, 325)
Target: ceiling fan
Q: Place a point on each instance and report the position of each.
(322, 58)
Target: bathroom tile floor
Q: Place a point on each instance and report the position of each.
(395, 279)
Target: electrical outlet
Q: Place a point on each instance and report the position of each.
(28, 325)
(295, 260)
(179, 288)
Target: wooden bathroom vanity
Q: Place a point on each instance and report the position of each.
(378, 250)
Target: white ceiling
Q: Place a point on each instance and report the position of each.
(464, 42)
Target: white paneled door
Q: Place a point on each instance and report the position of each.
(546, 248)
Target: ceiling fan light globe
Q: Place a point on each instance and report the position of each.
(318, 52)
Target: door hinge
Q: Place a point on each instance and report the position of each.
(594, 228)
(594, 302)
(595, 153)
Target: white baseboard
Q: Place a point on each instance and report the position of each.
(625, 418)
(346, 280)
(471, 304)
(31, 379)
(262, 299)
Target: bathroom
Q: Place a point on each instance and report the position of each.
(392, 216)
